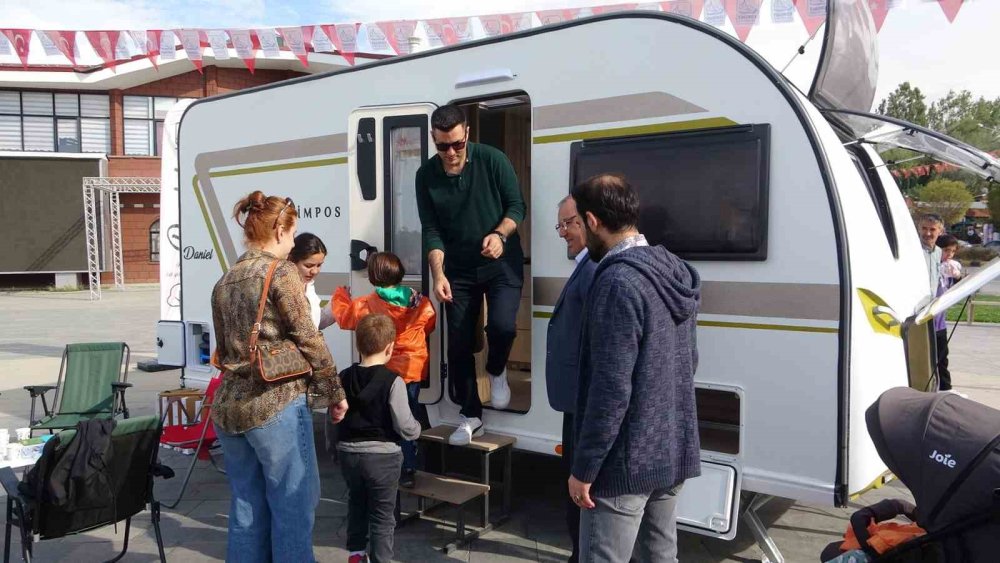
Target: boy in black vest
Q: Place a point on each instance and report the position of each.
(378, 418)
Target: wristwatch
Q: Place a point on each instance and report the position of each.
(503, 239)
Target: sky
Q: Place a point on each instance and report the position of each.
(916, 44)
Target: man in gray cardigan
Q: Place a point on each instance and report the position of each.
(562, 355)
(636, 423)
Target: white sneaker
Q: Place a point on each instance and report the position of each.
(499, 391)
(467, 429)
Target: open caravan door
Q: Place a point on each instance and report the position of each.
(388, 144)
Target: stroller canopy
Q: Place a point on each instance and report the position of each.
(943, 447)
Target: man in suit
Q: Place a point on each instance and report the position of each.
(562, 357)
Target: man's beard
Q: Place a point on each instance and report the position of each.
(596, 248)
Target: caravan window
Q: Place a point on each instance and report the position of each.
(702, 194)
(405, 143)
(877, 193)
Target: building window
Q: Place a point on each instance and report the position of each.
(144, 123)
(154, 241)
(54, 122)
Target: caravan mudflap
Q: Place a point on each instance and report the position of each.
(709, 504)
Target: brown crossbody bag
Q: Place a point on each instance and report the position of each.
(274, 362)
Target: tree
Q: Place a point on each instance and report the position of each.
(907, 103)
(993, 203)
(948, 198)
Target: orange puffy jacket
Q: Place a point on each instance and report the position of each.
(410, 358)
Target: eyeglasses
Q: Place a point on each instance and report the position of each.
(288, 203)
(565, 223)
(457, 145)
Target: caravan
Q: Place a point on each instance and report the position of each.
(814, 278)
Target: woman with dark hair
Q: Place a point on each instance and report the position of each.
(308, 255)
(265, 427)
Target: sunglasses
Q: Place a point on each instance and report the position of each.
(457, 145)
(288, 203)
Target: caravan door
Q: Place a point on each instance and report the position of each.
(387, 146)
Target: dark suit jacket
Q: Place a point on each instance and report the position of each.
(562, 356)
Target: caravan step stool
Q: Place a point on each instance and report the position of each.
(447, 490)
(485, 446)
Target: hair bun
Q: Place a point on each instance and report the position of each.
(256, 201)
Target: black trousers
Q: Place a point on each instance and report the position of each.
(944, 376)
(372, 480)
(500, 282)
(572, 510)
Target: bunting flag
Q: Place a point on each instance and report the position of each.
(715, 13)
(191, 41)
(782, 11)
(448, 31)
(598, 10)
(880, 9)
(398, 34)
(689, 8)
(549, 17)
(502, 24)
(168, 49)
(105, 43)
(268, 42)
(296, 42)
(345, 39)
(4, 44)
(153, 43)
(951, 8)
(243, 43)
(813, 14)
(321, 40)
(219, 42)
(744, 15)
(20, 42)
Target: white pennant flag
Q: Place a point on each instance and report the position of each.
(242, 42)
(321, 43)
(139, 38)
(4, 45)
(168, 51)
(124, 48)
(217, 40)
(268, 42)
(49, 46)
(782, 11)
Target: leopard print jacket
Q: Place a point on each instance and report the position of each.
(244, 402)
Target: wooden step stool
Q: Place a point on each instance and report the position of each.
(447, 490)
(485, 445)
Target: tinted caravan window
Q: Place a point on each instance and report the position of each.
(702, 194)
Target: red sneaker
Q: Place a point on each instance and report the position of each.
(358, 558)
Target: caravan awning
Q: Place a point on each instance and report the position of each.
(883, 130)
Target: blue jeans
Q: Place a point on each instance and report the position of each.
(640, 525)
(274, 480)
(419, 413)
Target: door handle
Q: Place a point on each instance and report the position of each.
(357, 261)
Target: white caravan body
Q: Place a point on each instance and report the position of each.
(792, 344)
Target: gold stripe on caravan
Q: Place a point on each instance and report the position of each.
(674, 126)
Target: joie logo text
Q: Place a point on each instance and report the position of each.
(943, 459)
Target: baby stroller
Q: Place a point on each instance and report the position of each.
(946, 450)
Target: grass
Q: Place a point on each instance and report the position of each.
(984, 313)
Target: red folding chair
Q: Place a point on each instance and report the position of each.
(198, 434)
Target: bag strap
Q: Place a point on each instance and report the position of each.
(260, 308)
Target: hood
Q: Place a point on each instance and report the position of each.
(358, 382)
(677, 283)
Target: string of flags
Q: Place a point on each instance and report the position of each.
(389, 38)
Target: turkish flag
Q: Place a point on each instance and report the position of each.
(20, 39)
(104, 42)
(65, 41)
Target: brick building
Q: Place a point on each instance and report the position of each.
(51, 115)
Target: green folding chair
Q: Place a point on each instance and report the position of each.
(91, 384)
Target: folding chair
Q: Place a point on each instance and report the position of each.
(131, 469)
(198, 434)
(92, 384)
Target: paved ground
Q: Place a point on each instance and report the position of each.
(35, 326)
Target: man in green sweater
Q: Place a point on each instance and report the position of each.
(470, 205)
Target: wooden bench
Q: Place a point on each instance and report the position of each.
(444, 489)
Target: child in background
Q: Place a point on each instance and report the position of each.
(951, 272)
(414, 318)
(377, 420)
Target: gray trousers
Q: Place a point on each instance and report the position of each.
(372, 480)
(643, 524)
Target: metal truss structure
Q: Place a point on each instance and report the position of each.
(95, 190)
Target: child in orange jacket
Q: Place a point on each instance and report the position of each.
(414, 317)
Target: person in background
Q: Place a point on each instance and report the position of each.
(308, 255)
(369, 441)
(562, 356)
(265, 428)
(951, 272)
(414, 319)
(470, 205)
(929, 227)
